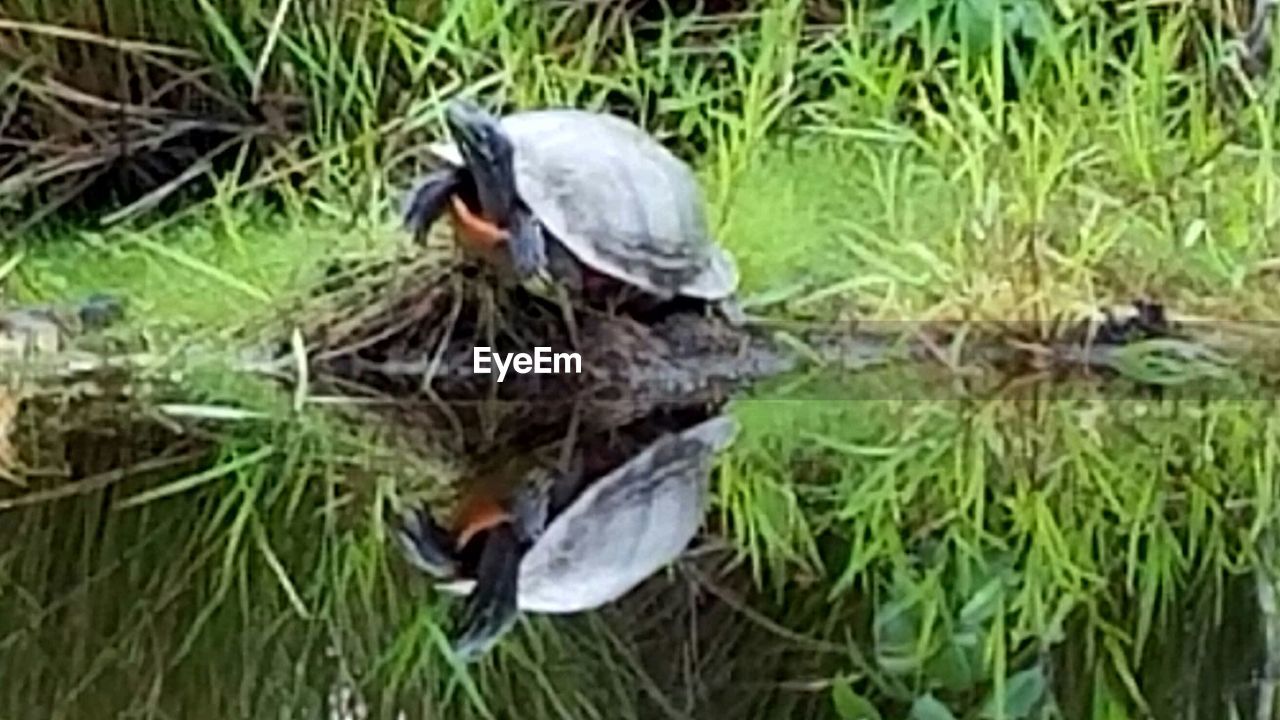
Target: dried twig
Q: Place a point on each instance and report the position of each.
(66, 33)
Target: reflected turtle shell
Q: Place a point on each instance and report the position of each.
(622, 528)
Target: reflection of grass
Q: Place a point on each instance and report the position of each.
(975, 533)
(927, 552)
(980, 529)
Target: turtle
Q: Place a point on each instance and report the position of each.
(603, 540)
(566, 200)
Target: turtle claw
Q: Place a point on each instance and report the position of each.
(731, 310)
(540, 283)
(427, 545)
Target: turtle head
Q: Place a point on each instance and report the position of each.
(488, 153)
(492, 607)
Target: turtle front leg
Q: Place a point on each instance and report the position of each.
(730, 309)
(529, 258)
(428, 200)
(527, 244)
(531, 504)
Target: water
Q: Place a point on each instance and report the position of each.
(894, 538)
(1083, 556)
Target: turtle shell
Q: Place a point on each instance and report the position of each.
(617, 199)
(622, 528)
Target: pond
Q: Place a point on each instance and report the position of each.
(882, 542)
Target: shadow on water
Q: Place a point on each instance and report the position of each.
(930, 551)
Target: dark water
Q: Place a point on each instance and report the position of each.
(263, 589)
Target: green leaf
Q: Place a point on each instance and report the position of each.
(850, 705)
(953, 667)
(983, 605)
(928, 707)
(906, 14)
(974, 21)
(896, 636)
(1022, 693)
(1028, 19)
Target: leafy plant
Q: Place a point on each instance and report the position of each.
(976, 25)
(941, 636)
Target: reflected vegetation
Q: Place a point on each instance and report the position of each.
(953, 544)
(919, 556)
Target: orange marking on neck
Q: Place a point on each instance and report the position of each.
(477, 514)
(473, 230)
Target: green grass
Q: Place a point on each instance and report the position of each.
(907, 553)
(195, 274)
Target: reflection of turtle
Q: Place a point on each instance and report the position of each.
(569, 199)
(604, 541)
